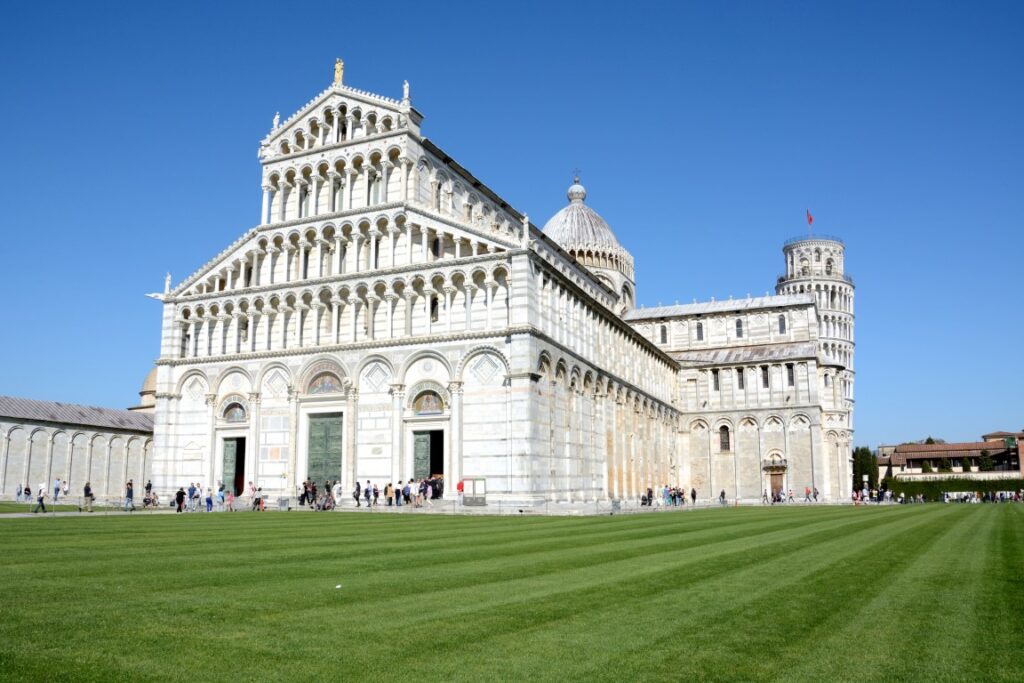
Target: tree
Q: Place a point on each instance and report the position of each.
(864, 462)
(929, 441)
(985, 463)
(926, 467)
(945, 465)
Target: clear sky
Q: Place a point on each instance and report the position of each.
(703, 131)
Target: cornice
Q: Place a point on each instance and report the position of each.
(338, 145)
(344, 278)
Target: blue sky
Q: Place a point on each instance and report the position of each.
(703, 130)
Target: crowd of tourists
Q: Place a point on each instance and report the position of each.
(411, 494)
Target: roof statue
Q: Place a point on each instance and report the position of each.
(167, 283)
(277, 119)
(405, 90)
(339, 71)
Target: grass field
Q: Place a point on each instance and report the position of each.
(917, 592)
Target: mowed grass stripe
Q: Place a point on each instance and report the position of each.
(648, 627)
(738, 594)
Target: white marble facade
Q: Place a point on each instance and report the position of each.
(391, 315)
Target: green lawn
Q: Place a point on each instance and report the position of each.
(917, 592)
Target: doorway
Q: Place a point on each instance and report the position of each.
(428, 454)
(234, 465)
(777, 483)
(323, 458)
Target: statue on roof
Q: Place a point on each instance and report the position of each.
(167, 283)
(339, 71)
(277, 119)
(405, 90)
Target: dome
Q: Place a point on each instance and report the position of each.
(577, 226)
(148, 392)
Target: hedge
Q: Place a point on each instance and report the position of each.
(934, 489)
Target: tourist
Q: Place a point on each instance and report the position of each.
(693, 496)
(56, 490)
(815, 494)
(407, 492)
(220, 496)
(129, 497)
(149, 486)
(64, 489)
(230, 501)
(209, 500)
(460, 490)
(367, 492)
(764, 496)
(376, 495)
(179, 498)
(87, 498)
(791, 499)
(191, 495)
(807, 494)
(357, 494)
(389, 494)
(40, 495)
(17, 494)
(721, 497)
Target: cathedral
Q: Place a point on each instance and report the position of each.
(392, 317)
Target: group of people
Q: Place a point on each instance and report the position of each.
(669, 496)
(416, 494)
(199, 499)
(24, 493)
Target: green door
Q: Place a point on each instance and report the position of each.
(325, 444)
(420, 455)
(230, 457)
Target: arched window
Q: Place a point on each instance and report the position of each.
(433, 309)
(325, 383)
(235, 412)
(700, 331)
(723, 438)
(782, 324)
(817, 255)
(805, 267)
(739, 329)
(664, 334)
(428, 403)
(828, 267)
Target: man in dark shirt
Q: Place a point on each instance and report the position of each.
(129, 497)
(179, 498)
(87, 497)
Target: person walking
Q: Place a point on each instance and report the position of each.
(129, 497)
(64, 489)
(807, 494)
(230, 501)
(87, 498)
(179, 498)
(460, 489)
(357, 494)
(693, 496)
(367, 492)
(40, 495)
(56, 490)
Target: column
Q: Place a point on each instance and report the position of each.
(374, 239)
(449, 295)
(372, 301)
(397, 401)
(424, 238)
(351, 185)
(298, 316)
(406, 164)
(265, 211)
(394, 231)
(283, 311)
(332, 182)
(271, 316)
(428, 296)
(390, 299)
(335, 318)
(490, 286)
(408, 297)
(356, 237)
(339, 255)
(408, 229)
(237, 346)
(254, 318)
(470, 289)
(271, 260)
(185, 343)
(385, 174)
(353, 304)
(318, 258)
(454, 466)
(318, 315)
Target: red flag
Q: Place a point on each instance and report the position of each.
(810, 218)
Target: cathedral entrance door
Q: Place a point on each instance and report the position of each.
(427, 454)
(234, 465)
(323, 459)
(777, 483)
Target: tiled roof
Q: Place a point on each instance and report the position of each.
(921, 451)
(71, 413)
(748, 304)
(745, 354)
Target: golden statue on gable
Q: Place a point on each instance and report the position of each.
(339, 71)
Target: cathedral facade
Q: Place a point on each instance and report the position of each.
(391, 317)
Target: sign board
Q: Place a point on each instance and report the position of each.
(474, 491)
